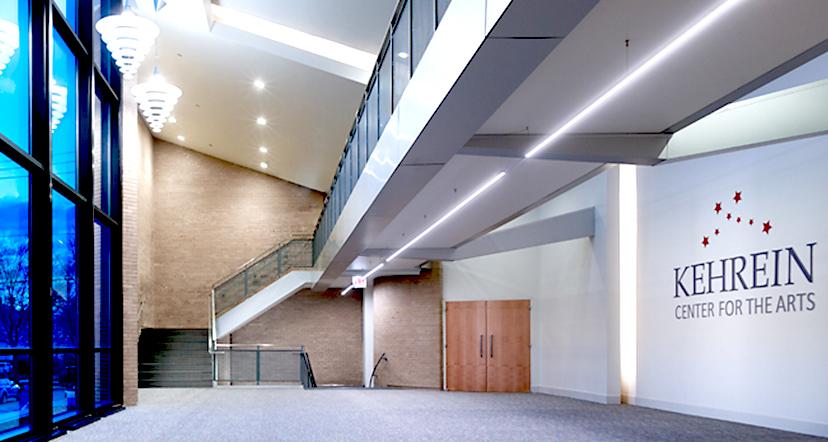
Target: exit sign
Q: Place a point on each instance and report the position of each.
(359, 282)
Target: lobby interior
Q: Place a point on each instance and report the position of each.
(413, 219)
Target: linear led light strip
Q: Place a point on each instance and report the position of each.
(625, 82)
(648, 65)
(434, 225)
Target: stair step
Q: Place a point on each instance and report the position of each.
(174, 358)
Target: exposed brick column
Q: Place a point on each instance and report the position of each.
(408, 327)
(135, 142)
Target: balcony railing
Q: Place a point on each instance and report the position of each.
(411, 29)
(260, 272)
(261, 364)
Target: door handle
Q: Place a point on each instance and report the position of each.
(481, 346)
(491, 346)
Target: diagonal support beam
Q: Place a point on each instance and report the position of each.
(642, 149)
(572, 225)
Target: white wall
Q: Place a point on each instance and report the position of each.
(572, 289)
(765, 369)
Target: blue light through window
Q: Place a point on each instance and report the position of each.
(64, 273)
(64, 90)
(14, 72)
(69, 9)
(15, 310)
(14, 255)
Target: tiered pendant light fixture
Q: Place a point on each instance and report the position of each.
(59, 103)
(156, 100)
(128, 38)
(9, 42)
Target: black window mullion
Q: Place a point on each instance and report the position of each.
(85, 227)
(67, 191)
(69, 37)
(40, 221)
(23, 159)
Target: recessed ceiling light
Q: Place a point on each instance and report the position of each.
(261, 121)
(402, 55)
(259, 84)
(263, 165)
(172, 119)
(262, 149)
(181, 138)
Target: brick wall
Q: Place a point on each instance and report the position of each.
(327, 324)
(209, 217)
(408, 328)
(136, 153)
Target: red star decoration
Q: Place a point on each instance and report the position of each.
(706, 241)
(729, 216)
(716, 232)
(737, 197)
(750, 222)
(739, 219)
(718, 208)
(766, 227)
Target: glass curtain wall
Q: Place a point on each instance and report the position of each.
(59, 217)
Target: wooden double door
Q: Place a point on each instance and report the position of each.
(487, 346)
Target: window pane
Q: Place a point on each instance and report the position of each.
(402, 53)
(100, 154)
(14, 72)
(69, 9)
(97, 43)
(385, 90)
(372, 111)
(103, 390)
(64, 274)
(422, 17)
(14, 255)
(442, 5)
(355, 169)
(65, 386)
(64, 88)
(14, 394)
(102, 286)
(362, 130)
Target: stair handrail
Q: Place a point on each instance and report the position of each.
(272, 265)
(267, 253)
(374, 371)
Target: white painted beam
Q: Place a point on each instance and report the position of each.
(293, 44)
(789, 114)
(572, 225)
(643, 149)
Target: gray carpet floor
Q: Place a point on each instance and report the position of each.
(250, 414)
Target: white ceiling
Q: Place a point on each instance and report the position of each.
(526, 183)
(309, 111)
(752, 39)
(360, 24)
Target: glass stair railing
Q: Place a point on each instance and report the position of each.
(259, 273)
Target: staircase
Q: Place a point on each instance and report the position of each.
(174, 358)
(260, 284)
